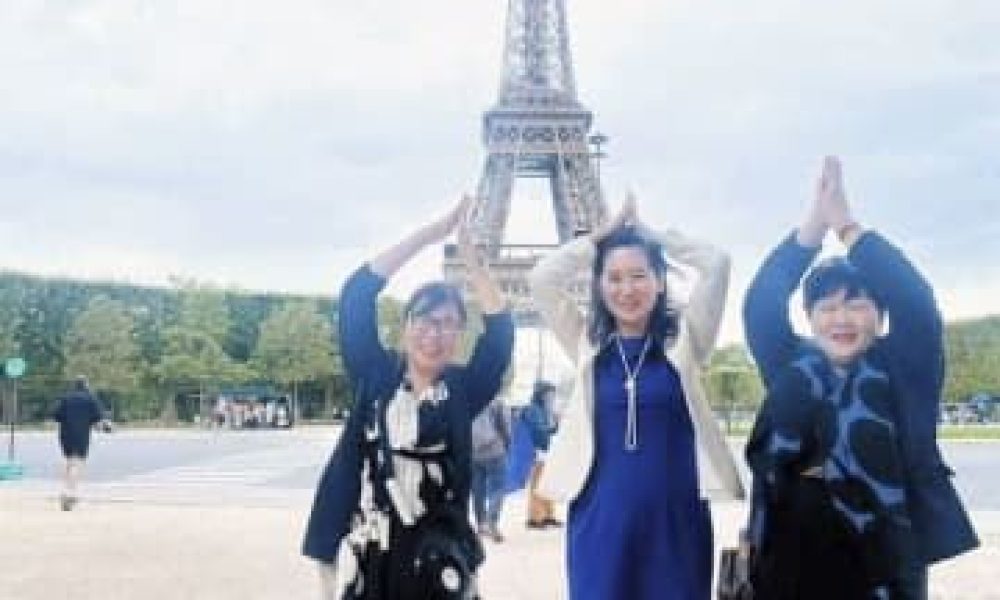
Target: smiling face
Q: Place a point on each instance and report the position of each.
(844, 327)
(430, 340)
(629, 288)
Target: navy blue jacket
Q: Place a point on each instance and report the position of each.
(375, 374)
(914, 354)
(76, 413)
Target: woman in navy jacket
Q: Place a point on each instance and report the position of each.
(847, 432)
(423, 405)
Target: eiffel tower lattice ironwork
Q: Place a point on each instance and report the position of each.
(537, 128)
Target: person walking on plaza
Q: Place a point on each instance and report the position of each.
(852, 499)
(402, 465)
(77, 412)
(539, 418)
(625, 455)
(491, 435)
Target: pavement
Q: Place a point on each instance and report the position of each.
(143, 544)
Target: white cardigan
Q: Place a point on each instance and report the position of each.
(572, 450)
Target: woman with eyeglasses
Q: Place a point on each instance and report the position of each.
(404, 456)
(625, 454)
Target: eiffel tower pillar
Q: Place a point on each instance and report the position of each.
(537, 128)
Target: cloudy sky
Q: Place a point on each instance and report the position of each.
(276, 145)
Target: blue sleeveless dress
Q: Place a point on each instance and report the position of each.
(639, 529)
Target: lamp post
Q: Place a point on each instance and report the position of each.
(12, 369)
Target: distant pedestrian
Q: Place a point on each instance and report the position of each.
(540, 420)
(77, 413)
(491, 433)
(221, 414)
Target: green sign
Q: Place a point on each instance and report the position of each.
(14, 367)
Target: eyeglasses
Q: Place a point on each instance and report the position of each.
(426, 327)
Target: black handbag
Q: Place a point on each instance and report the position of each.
(439, 557)
(734, 575)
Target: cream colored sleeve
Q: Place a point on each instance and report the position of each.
(550, 280)
(707, 302)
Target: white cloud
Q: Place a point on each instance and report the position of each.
(277, 147)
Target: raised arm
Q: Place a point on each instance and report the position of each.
(552, 277)
(490, 358)
(357, 320)
(915, 326)
(550, 281)
(766, 325)
(767, 328)
(915, 339)
(707, 302)
(389, 261)
(492, 352)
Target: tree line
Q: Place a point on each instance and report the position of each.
(972, 351)
(143, 347)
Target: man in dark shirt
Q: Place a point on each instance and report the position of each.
(76, 414)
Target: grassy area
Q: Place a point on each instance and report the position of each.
(945, 432)
(969, 432)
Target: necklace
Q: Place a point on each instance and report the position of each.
(631, 423)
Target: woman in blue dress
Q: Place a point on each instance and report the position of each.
(625, 457)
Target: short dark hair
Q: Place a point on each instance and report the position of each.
(663, 319)
(432, 295)
(832, 275)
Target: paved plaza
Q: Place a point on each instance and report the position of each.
(229, 526)
(149, 550)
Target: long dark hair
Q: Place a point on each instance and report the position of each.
(663, 319)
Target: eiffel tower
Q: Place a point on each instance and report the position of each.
(537, 128)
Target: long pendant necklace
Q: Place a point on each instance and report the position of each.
(631, 423)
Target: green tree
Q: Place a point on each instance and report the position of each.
(203, 308)
(193, 353)
(295, 346)
(101, 345)
(972, 348)
(193, 358)
(9, 323)
(733, 382)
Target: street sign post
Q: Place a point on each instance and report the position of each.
(13, 369)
